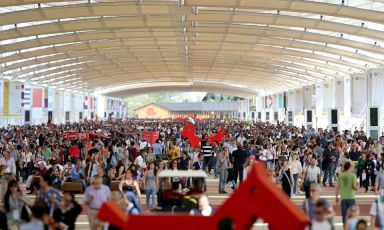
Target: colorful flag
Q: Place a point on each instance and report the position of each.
(45, 97)
(6, 92)
(26, 96)
(85, 103)
(37, 98)
(91, 106)
(286, 99)
(280, 100)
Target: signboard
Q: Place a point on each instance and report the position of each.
(151, 136)
(6, 92)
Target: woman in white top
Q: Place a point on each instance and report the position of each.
(92, 166)
(296, 170)
(377, 148)
(26, 159)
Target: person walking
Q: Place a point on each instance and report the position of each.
(346, 186)
(207, 150)
(14, 201)
(296, 170)
(157, 150)
(8, 169)
(329, 164)
(312, 175)
(379, 185)
(222, 166)
(286, 179)
(67, 214)
(150, 185)
(49, 195)
(320, 221)
(94, 197)
(239, 158)
(369, 170)
(309, 204)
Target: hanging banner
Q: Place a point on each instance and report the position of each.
(45, 97)
(6, 92)
(37, 98)
(151, 136)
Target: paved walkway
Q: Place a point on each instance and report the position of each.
(364, 201)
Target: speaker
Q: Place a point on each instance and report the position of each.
(374, 116)
(50, 116)
(290, 116)
(309, 116)
(67, 117)
(27, 116)
(334, 117)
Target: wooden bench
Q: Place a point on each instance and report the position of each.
(72, 187)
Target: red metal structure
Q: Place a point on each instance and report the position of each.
(256, 198)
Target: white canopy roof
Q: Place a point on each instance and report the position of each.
(232, 46)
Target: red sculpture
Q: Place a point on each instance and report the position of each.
(189, 131)
(219, 136)
(255, 198)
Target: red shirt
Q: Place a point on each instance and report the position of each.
(43, 171)
(74, 151)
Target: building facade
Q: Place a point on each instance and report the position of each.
(198, 110)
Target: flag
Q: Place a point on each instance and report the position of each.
(286, 99)
(280, 102)
(45, 97)
(37, 98)
(91, 106)
(85, 103)
(26, 97)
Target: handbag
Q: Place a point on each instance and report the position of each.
(26, 213)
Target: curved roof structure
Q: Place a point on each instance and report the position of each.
(119, 47)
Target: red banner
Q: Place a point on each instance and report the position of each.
(151, 136)
(73, 135)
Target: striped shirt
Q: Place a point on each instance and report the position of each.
(206, 150)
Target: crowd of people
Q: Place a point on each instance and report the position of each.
(300, 161)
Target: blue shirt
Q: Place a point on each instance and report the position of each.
(76, 173)
(157, 149)
(46, 197)
(100, 196)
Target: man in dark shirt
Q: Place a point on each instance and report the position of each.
(106, 180)
(199, 164)
(329, 163)
(184, 160)
(132, 152)
(239, 157)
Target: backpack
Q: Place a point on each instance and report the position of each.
(370, 167)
